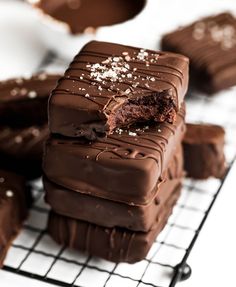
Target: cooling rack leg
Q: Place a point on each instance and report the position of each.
(181, 273)
(184, 272)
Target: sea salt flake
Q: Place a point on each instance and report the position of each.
(132, 134)
(116, 59)
(32, 94)
(23, 92)
(14, 92)
(18, 139)
(35, 132)
(42, 76)
(9, 193)
(119, 131)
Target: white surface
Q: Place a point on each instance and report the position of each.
(212, 258)
(21, 49)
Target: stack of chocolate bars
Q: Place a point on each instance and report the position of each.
(113, 165)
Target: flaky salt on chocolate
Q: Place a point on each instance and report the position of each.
(204, 151)
(21, 149)
(109, 86)
(210, 44)
(23, 101)
(13, 209)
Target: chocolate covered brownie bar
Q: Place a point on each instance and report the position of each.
(96, 210)
(114, 244)
(13, 209)
(23, 102)
(204, 151)
(109, 86)
(21, 149)
(210, 44)
(126, 166)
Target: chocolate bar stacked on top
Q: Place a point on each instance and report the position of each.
(113, 165)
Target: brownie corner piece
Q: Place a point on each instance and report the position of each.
(204, 151)
(210, 44)
(109, 86)
(13, 209)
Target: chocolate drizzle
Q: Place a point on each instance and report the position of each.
(93, 209)
(210, 43)
(155, 70)
(23, 141)
(142, 152)
(23, 101)
(113, 86)
(129, 246)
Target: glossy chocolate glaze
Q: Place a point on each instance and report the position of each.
(23, 102)
(110, 86)
(86, 15)
(210, 44)
(114, 244)
(204, 151)
(13, 209)
(21, 149)
(126, 166)
(96, 210)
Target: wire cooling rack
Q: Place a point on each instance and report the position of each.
(34, 254)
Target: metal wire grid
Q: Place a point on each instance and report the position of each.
(34, 254)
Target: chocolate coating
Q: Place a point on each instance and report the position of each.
(13, 209)
(84, 15)
(109, 86)
(97, 210)
(114, 244)
(125, 166)
(210, 44)
(204, 151)
(23, 102)
(21, 149)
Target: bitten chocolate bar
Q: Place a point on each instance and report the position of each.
(21, 149)
(96, 210)
(204, 151)
(13, 209)
(126, 166)
(114, 244)
(109, 86)
(210, 44)
(23, 102)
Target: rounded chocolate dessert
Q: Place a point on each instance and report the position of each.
(81, 15)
